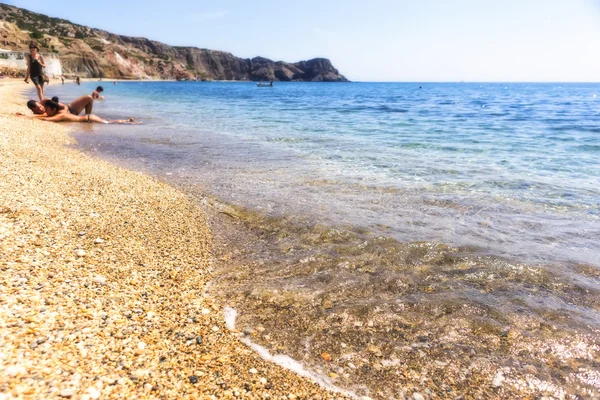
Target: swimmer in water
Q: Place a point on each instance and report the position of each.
(96, 93)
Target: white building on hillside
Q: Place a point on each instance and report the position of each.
(17, 60)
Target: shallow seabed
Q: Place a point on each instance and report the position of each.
(386, 318)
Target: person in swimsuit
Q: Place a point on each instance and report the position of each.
(58, 112)
(75, 107)
(96, 93)
(35, 66)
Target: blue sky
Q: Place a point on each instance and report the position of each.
(376, 40)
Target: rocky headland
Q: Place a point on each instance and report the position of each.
(96, 53)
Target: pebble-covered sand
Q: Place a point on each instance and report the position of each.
(103, 274)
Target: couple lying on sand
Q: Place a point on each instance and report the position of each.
(55, 111)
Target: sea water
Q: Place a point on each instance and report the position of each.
(430, 202)
(513, 169)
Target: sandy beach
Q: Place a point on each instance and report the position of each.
(103, 275)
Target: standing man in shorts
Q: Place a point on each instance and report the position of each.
(35, 69)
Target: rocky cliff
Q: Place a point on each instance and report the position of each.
(89, 52)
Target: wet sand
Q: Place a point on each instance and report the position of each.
(103, 281)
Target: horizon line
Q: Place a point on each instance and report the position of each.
(566, 82)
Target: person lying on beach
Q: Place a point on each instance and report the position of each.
(75, 107)
(57, 112)
(96, 93)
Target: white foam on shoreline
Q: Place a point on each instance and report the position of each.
(230, 316)
(285, 361)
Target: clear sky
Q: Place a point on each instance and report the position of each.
(375, 40)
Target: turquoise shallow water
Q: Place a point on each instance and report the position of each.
(512, 169)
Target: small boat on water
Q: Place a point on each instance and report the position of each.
(264, 84)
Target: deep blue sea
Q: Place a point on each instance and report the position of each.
(511, 169)
(435, 235)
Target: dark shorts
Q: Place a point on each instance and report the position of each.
(37, 80)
